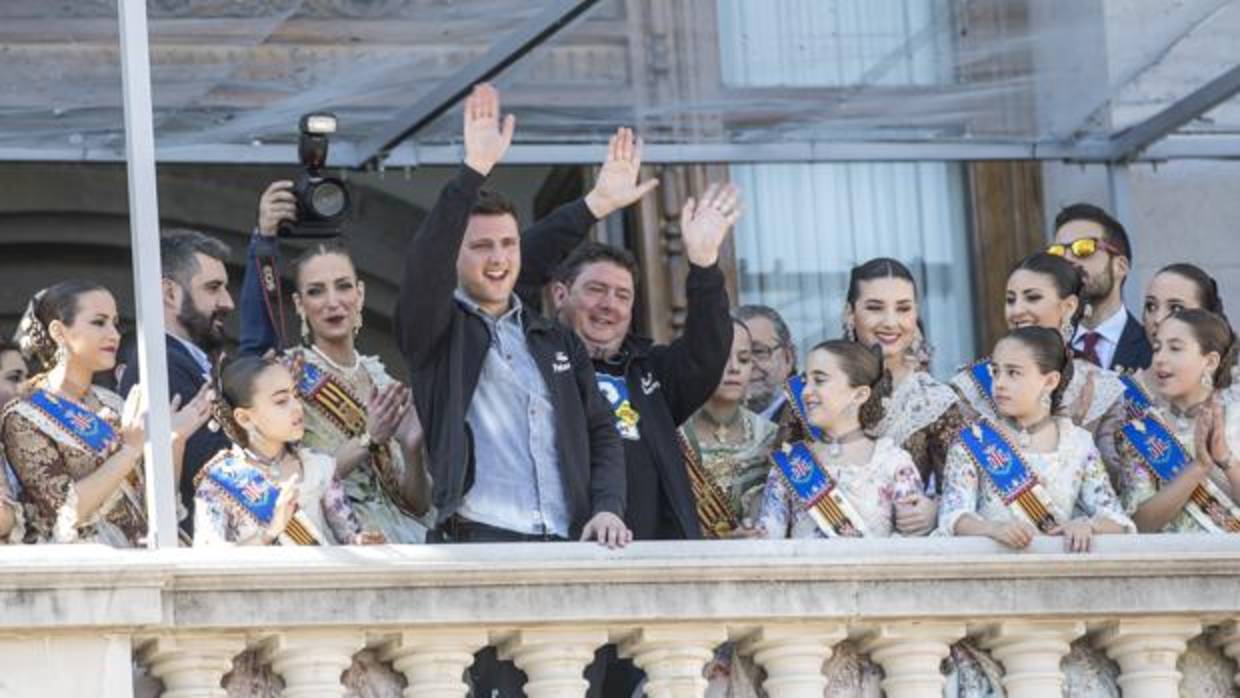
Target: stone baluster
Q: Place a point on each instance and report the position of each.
(554, 660)
(910, 654)
(1229, 642)
(311, 662)
(793, 655)
(1030, 652)
(191, 666)
(673, 657)
(1147, 651)
(434, 661)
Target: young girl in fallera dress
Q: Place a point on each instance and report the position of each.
(1182, 458)
(1073, 497)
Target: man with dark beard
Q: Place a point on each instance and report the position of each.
(196, 302)
(1109, 336)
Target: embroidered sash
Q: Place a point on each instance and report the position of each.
(715, 515)
(1165, 458)
(616, 390)
(817, 492)
(1136, 400)
(90, 431)
(1017, 485)
(794, 389)
(255, 495)
(984, 380)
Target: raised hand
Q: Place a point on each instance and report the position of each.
(286, 506)
(1220, 450)
(276, 205)
(485, 141)
(385, 410)
(705, 224)
(617, 186)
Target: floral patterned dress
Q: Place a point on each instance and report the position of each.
(1076, 482)
(923, 416)
(1207, 671)
(377, 507)
(321, 498)
(49, 459)
(1094, 400)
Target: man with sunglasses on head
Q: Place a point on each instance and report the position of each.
(1109, 336)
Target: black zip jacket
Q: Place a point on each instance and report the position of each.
(666, 383)
(445, 347)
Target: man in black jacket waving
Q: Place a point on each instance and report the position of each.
(652, 389)
(522, 445)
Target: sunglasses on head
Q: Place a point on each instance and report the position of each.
(1082, 248)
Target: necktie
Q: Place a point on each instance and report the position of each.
(1089, 351)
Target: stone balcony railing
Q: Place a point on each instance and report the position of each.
(73, 619)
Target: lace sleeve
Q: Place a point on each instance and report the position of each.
(45, 478)
(960, 490)
(940, 437)
(775, 512)
(340, 515)
(1097, 498)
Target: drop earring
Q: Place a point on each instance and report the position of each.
(305, 329)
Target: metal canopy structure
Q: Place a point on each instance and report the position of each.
(1094, 81)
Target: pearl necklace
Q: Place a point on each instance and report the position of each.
(357, 361)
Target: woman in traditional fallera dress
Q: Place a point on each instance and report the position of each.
(846, 387)
(269, 490)
(728, 445)
(76, 448)
(12, 376)
(355, 410)
(922, 415)
(1044, 290)
(1193, 423)
(1072, 498)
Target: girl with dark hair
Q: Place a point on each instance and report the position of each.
(1026, 473)
(1182, 457)
(726, 448)
(12, 375)
(268, 490)
(355, 410)
(76, 448)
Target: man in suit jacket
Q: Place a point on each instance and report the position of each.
(196, 302)
(774, 360)
(1109, 336)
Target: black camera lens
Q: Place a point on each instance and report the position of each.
(328, 198)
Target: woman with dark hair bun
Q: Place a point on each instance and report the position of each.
(1026, 473)
(76, 448)
(1176, 287)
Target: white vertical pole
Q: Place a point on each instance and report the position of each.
(161, 491)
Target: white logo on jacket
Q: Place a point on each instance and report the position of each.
(561, 363)
(649, 384)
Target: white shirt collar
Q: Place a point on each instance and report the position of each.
(198, 354)
(1111, 329)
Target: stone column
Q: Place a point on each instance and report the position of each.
(673, 657)
(554, 660)
(1229, 642)
(191, 666)
(910, 654)
(311, 662)
(793, 656)
(434, 660)
(1147, 651)
(1030, 652)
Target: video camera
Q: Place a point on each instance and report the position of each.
(322, 201)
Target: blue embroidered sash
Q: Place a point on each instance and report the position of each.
(1165, 457)
(256, 495)
(1136, 401)
(980, 372)
(616, 390)
(794, 389)
(816, 491)
(90, 430)
(1017, 485)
